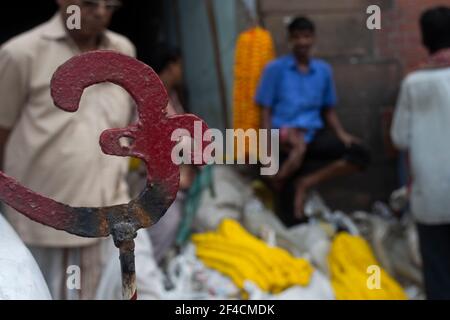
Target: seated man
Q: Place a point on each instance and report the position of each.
(297, 94)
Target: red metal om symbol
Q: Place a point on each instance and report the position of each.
(151, 142)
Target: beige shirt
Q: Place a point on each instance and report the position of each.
(53, 152)
(421, 126)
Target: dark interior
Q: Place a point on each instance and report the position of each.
(139, 20)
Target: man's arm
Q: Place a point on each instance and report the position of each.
(332, 120)
(13, 92)
(265, 99)
(266, 94)
(401, 124)
(266, 118)
(266, 123)
(4, 134)
(330, 115)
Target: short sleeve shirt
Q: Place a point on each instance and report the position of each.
(421, 126)
(296, 98)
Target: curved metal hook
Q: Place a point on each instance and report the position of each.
(151, 136)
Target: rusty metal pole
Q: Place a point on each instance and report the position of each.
(151, 135)
(123, 235)
(127, 266)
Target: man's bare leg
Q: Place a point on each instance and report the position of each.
(296, 147)
(303, 184)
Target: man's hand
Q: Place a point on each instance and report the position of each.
(4, 134)
(348, 139)
(332, 120)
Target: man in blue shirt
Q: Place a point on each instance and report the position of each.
(298, 92)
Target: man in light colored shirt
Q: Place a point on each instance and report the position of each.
(422, 127)
(57, 153)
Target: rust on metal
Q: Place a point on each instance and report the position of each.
(151, 142)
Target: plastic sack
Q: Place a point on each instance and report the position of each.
(20, 276)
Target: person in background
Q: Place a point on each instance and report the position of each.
(421, 126)
(297, 95)
(57, 154)
(167, 63)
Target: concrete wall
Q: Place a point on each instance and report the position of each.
(198, 54)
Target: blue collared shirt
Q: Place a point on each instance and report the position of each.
(297, 98)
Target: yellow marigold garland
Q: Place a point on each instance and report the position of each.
(239, 255)
(349, 259)
(254, 50)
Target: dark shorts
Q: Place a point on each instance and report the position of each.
(327, 148)
(322, 151)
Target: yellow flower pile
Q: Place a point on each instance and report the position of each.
(254, 49)
(349, 260)
(237, 254)
(134, 164)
